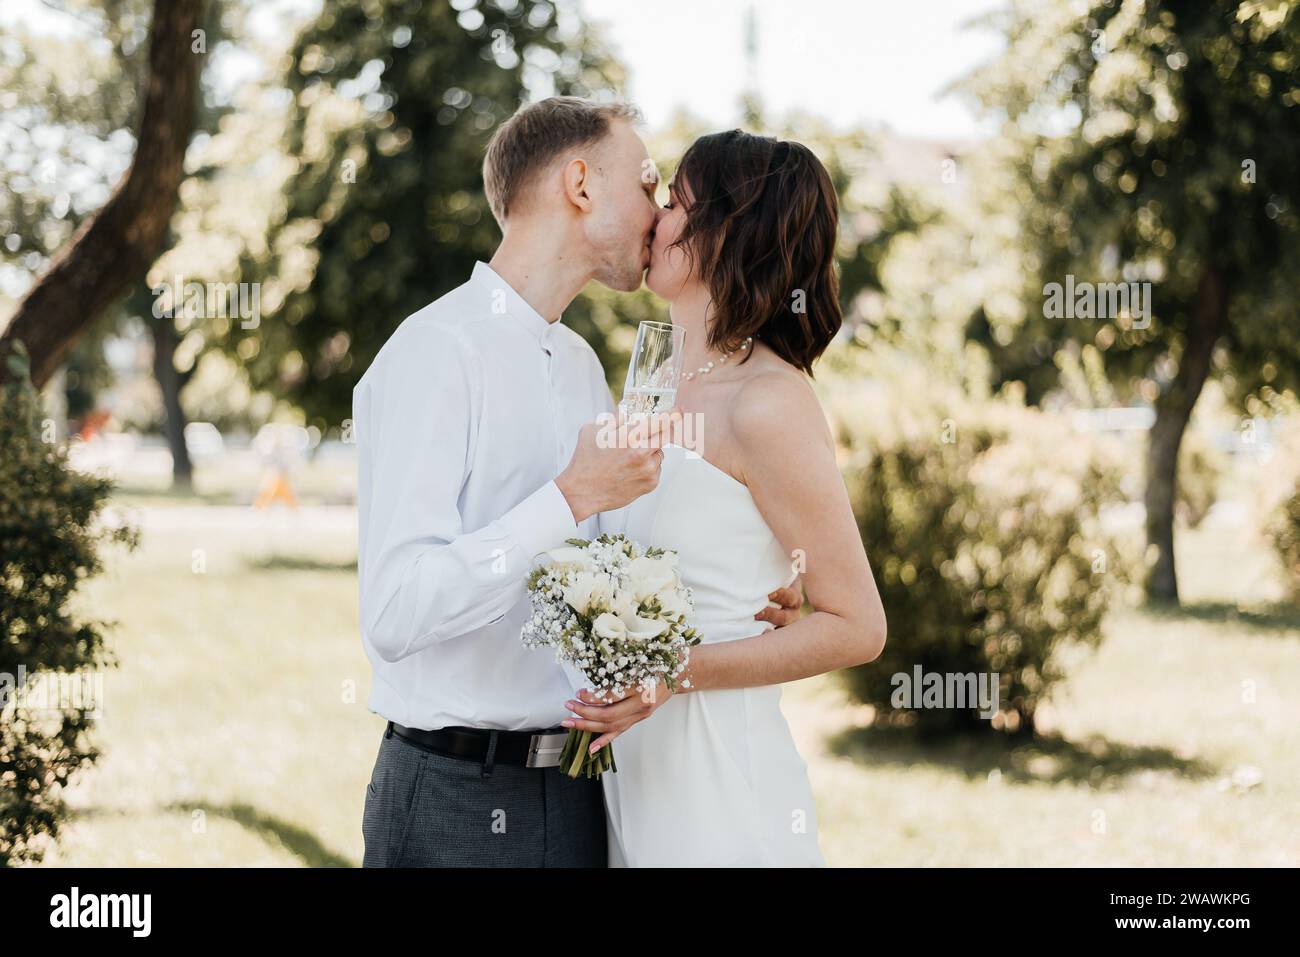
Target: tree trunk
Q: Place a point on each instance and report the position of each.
(170, 382)
(116, 246)
(1173, 410)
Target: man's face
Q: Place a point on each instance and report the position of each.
(621, 225)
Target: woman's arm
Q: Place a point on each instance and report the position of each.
(788, 460)
(789, 465)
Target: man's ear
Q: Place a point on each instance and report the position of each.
(577, 179)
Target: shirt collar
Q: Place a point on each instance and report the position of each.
(503, 297)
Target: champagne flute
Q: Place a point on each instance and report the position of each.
(654, 370)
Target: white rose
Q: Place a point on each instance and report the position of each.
(587, 589)
(623, 604)
(674, 603)
(649, 576)
(578, 592)
(602, 591)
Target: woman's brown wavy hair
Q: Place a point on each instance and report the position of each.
(760, 234)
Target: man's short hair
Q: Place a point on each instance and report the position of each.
(536, 136)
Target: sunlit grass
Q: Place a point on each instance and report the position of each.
(236, 732)
(235, 729)
(1150, 752)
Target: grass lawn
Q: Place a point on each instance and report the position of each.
(235, 729)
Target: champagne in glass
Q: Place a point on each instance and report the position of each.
(655, 369)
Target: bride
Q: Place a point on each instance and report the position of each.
(744, 254)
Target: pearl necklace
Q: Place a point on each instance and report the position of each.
(705, 370)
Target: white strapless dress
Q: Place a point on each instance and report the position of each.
(712, 778)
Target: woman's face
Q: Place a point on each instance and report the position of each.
(670, 270)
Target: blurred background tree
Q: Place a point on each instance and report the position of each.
(384, 208)
(73, 140)
(1155, 142)
(117, 243)
(66, 114)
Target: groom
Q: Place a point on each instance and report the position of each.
(477, 450)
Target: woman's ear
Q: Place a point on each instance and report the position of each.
(576, 182)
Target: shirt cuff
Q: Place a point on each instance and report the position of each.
(543, 520)
(613, 522)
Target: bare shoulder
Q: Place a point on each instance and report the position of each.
(776, 417)
(773, 401)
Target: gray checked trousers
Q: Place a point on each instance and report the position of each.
(428, 810)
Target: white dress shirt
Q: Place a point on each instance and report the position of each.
(462, 423)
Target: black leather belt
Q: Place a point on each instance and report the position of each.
(529, 749)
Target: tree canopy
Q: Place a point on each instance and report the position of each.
(1160, 144)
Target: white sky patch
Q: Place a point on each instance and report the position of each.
(853, 62)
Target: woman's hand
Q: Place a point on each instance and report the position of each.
(610, 717)
(790, 600)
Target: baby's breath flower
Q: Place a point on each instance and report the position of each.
(630, 660)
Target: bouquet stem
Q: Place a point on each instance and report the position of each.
(575, 759)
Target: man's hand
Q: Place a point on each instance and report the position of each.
(610, 717)
(791, 602)
(613, 466)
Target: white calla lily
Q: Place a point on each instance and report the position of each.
(609, 626)
(568, 555)
(643, 629)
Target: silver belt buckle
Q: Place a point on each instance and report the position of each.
(544, 750)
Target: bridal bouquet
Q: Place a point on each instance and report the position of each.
(618, 614)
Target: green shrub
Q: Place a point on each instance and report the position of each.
(1277, 498)
(1201, 467)
(1284, 530)
(50, 536)
(983, 522)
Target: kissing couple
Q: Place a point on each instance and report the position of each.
(476, 427)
